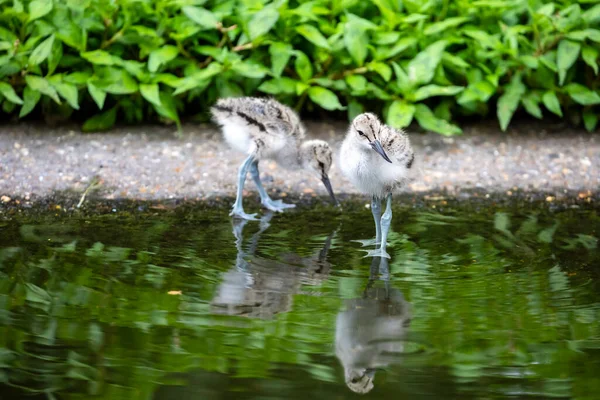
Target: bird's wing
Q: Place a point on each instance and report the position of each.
(396, 144)
(262, 115)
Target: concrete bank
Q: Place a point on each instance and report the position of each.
(151, 163)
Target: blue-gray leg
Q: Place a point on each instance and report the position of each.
(386, 221)
(238, 210)
(267, 202)
(376, 210)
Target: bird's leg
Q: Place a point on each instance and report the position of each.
(238, 210)
(386, 220)
(376, 210)
(267, 202)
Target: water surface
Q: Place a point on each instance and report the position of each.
(474, 303)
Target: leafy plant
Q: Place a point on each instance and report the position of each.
(435, 62)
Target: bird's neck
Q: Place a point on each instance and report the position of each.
(290, 157)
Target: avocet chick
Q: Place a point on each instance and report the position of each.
(266, 129)
(377, 159)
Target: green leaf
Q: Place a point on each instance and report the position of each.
(590, 56)
(509, 101)
(551, 102)
(167, 108)
(199, 80)
(437, 27)
(39, 8)
(303, 66)
(590, 119)
(150, 92)
(357, 83)
(117, 81)
(428, 91)
(262, 22)
(30, 100)
(546, 9)
(400, 114)
(386, 38)
(249, 69)
(42, 51)
(77, 78)
(567, 54)
(55, 56)
(101, 122)
(582, 94)
(201, 16)
(356, 41)
(592, 16)
(421, 69)
(479, 91)
(313, 35)
(382, 69)
(325, 98)
(101, 57)
(428, 121)
(398, 48)
(161, 56)
(68, 92)
(10, 93)
(354, 109)
(278, 86)
(43, 86)
(168, 79)
(402, 80)
(531, 102)
(530, 61)
(301, 87)
(442, 110)
(455, 62)
(97, 94)
(280, 55)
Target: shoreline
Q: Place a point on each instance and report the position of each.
(149, 163)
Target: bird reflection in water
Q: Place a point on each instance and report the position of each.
(370, 331)
(257, 287)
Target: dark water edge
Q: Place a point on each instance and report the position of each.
(485, 298)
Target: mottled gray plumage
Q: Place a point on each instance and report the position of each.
(377, 159)
(266, 129)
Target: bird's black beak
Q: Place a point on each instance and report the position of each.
(327, 183)
(376, 145)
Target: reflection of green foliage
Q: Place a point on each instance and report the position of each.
(501, 302)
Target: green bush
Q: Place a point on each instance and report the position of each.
(433, 61)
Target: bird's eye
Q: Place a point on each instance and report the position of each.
(354, 380)
(361, 133)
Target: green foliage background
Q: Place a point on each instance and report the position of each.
(433, 62)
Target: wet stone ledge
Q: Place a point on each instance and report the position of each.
(40, 165)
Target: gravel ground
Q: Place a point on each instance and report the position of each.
(151, 163)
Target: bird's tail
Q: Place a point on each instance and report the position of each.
(221, 110)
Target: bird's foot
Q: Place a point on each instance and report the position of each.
(368, 242)
(377, 253)
(276, 205)
(239, 213)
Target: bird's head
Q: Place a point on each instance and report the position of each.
(365, 130)
(360, 380)
(316, 156)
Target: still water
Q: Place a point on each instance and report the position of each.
(475, 303)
